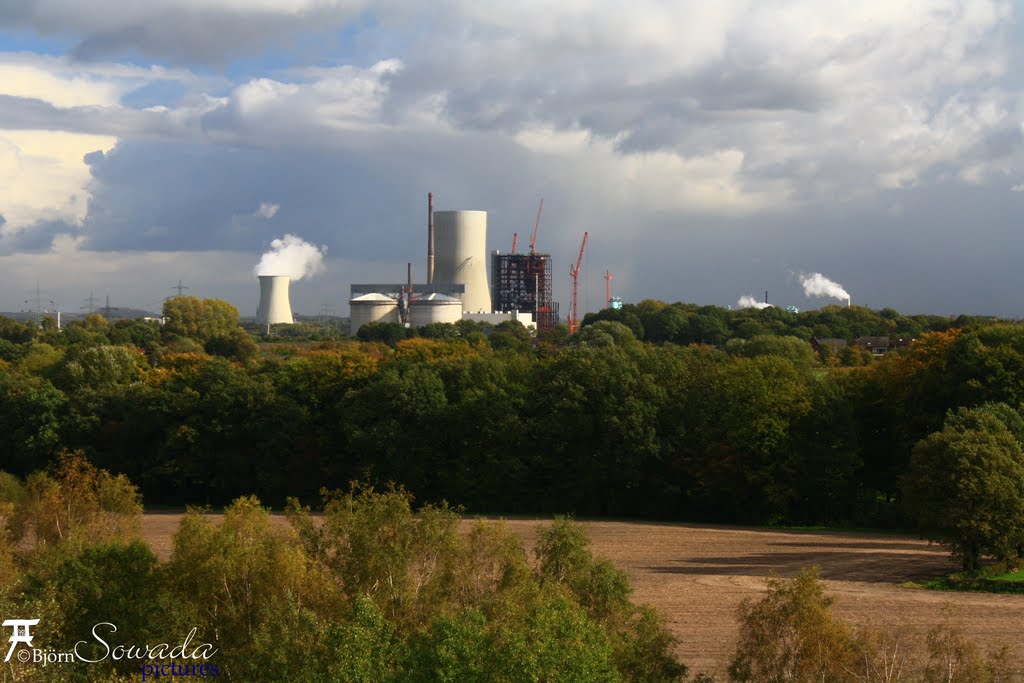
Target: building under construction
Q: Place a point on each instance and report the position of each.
(522, 282)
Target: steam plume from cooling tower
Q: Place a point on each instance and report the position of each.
(818, 285)
(747, 301)
(292, 256)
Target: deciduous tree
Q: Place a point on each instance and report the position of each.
(965, 487)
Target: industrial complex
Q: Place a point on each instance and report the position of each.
(457, 286)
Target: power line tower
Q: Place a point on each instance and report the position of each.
(36, 306)
(90, 304)
(179, 287)
(326, 313)
(106, 309)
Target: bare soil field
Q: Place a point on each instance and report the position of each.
(696, 576)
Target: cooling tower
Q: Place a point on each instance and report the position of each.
(460, 248)
(275, 308)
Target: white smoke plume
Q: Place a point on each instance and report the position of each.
(292, 256)
(747, 301)
(817, 284)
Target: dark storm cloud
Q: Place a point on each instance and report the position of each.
(182, 33)
(28, 113)
(208, 37)
(170, 196)
(933, 256)
(16, 11)
(672, 113)
(36, 238)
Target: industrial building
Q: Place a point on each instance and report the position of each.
(372, 308)
(457, 285)
(522, 282)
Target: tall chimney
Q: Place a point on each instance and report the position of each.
(766, 296)
(430, 238)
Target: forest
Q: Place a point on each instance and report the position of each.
(674, 412)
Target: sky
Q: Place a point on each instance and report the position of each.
(710, 150)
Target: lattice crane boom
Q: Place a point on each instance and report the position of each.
(608, 277)
(536, 225)
(574, 273)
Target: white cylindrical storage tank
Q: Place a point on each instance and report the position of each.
(460, 248)
(434, 308)
(371, 308)
(275, 307)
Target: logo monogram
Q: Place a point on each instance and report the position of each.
(21, 633)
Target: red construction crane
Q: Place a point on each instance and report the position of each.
(515, 238)
(533, 237)
(608, 277)
(574, 273)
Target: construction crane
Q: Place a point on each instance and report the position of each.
(574, 273)
(533, 237)
(608, 277)
(515, 238)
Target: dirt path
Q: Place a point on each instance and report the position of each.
(697, 576)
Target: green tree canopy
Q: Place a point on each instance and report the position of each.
(202, 319)
(965, 486)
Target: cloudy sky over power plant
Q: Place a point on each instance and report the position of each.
(711, 149)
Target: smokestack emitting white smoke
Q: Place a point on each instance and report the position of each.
(292, 256)
(747, 301)
(818, 285)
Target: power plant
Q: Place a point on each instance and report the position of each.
(275, 307)
(457, 286)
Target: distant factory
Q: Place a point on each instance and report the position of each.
(457, 286)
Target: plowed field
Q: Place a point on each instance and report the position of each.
(697, 575)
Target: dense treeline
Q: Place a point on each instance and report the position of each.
(629, 417)
(684, 324)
